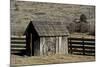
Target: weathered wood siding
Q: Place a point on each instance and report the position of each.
(60, 45)
(64, 45)
(53, 45)
(47, 45)
(57, 45)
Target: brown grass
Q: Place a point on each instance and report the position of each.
(35, 60)
(81, 35)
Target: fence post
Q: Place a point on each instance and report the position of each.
(83, 46)
(70, 46)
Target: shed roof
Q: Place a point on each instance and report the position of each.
(48, 28)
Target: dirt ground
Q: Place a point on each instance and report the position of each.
(55, 59)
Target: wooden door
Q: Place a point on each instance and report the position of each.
(29, 45)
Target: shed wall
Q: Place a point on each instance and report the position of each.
(64, 45)
(47, 45)
(53, 45)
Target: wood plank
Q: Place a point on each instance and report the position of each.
(13, 52)
(18, 46)
(84, 51)
(18, 42)
(18, 37)
(86, 47)
(87, 54)
(57, 45)
(85, 39)
(82, 46)
(17, 49)
(85, 43)
(13, 36)
(60, 45)
(41, 46)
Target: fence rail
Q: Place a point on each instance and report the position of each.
(18, 45)
(83, 46)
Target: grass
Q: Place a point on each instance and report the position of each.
(54, 59)
(61, 12)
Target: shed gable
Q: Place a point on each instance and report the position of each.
(47, 28)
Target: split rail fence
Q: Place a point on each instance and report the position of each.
(18, 44)
(81, 46)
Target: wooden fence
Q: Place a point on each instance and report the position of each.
(81, 46)
(18, 45)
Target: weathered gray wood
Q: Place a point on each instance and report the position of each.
(18, 48)
(57, 45)
(60, 45)
(80, 39)
(65, 43)
(15, 52)
(13, 36)
(18, 44)
(45, 45)
(51, 45)
(42, 46)
(83, 46)
(16, 40)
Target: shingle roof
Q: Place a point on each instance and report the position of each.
(48, 28)
(43, 28)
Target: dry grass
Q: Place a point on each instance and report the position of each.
(36, 60)
(32, 11)
(81, 35)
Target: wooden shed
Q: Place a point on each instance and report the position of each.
(46, 38)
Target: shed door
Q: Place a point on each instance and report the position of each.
(29, 44)
(34, 45)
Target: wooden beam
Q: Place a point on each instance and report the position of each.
(60, 46)
(31, 43)
(57, 45)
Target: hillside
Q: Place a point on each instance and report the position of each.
(22, 12)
